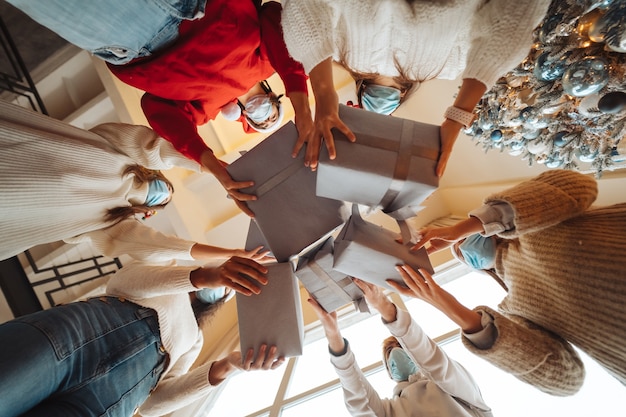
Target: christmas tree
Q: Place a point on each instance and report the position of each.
(565, 103)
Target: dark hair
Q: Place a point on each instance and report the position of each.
(203, 311)
(141, 176)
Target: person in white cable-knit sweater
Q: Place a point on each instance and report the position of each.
(59, 182)
(391, 46)
(129, 351)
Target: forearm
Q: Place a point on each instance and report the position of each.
(300, 102)
(321, 77)
(220, 370)
(468, 320)
(470, 93)
(468, 227)
(200, 251)
(336, 343)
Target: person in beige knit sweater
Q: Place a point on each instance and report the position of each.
(391, 46)
(563, 265)
(59, 182)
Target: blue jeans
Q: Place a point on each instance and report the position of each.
(100, 357)
(117, 31)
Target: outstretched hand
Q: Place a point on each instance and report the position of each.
(265, 359)
(257, 254)
(439, 238)
(377, 299)
(232, 187)
(422, 285)
(240, 274)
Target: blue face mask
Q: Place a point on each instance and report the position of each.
(478, 251)
(157, 193)
(259, 108)
(210, 295)
(400, 365)
(380, 99)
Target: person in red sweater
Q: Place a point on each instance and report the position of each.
(216, 60)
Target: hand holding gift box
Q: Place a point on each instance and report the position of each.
(274, 316)
(288, 213)
(391, 166)
(371, 253)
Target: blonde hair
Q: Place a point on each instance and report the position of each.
(141, 176)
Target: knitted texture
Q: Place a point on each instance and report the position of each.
(564, 267)
(427, 39)
(165, 288)
(58, 181)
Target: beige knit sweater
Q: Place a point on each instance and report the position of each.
(57, 181)
(428, 39)
(565, 268)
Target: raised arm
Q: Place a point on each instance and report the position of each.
(177, 122)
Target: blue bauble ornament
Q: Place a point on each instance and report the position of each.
(611, 27)
(585, 77)
(559, 139)
(529, 115)
(530, 133)
(612, 102)
(584, 155)
(617, 157)
(496, 135)
(547, 69)
(554, 163)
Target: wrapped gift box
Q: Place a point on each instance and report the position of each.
(391, 165)
(274, 316)
(288, 213)
(371, 253)
(330, 288)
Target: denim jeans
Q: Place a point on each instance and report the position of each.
(117, 31)
(100, 357)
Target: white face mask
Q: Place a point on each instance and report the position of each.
(259, 108)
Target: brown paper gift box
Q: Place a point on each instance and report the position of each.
(371, 253)
(274, 316)
(331, 289)
(391, 165)
(288, 212)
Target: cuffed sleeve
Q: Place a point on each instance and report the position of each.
(496, 217)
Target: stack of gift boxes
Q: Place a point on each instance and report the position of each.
(305, 219)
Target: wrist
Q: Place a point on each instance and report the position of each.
(219, 371)
(389, 312)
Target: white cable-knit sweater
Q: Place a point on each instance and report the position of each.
(166, 290)
(57, 182)
(429, 39)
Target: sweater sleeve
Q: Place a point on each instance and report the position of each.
(273, 44)
(144, 146)
(179, 387)
(137, 280)
(361, 399)
(435, 364)
(546, 200)
(532, 354)
(308, 31)
(141, 242)
(505, 30)
(177, 122)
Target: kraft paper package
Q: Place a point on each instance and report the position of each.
(274, 316)
(370, 252)
(288, 213)
(331, 289)
(391, 166)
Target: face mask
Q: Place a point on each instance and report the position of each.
(380, 99)
(157, 193)
(400, 365)
(211, 295)
(478, 251)
(259, 108)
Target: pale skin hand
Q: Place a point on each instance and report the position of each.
(377, 299)
(266, 359)
(422, 285)
(326, 116)
(240, 274)
(330, 325)
(204, 252)
(218, 168)
(469, 95)
(442, 237)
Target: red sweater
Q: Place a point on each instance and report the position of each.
(214, 60)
